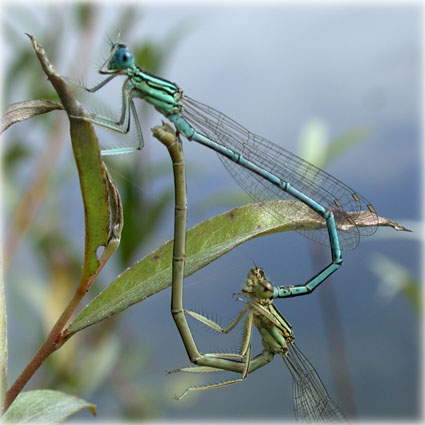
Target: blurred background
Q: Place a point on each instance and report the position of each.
(338, 85)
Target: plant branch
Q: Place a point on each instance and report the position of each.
(36, 190)
(102, 212)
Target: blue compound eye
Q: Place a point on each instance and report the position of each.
(122, 58)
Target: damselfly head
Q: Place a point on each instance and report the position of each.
(257, 285)
(122, 58)
(264, 290)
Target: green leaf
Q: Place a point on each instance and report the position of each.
(205, 243)
(90, 168)
(45, 406)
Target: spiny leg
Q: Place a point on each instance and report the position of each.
(122, 125)
(218, 384)
(124, 150)
(104, 71)
(252, 364)
(96, 87)
(213, 325)
(137, 124)
(245, 353)
(255, 363)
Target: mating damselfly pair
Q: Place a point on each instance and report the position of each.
(264, 170)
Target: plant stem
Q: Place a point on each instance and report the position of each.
(102, 212)
(50, 344)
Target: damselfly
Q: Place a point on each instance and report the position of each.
(264, 170)
(311, 401)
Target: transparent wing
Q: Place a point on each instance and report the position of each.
(311, 400)
(317, 184)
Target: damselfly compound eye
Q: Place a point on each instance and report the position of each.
(122, 58)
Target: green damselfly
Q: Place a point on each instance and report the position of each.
(311, 401)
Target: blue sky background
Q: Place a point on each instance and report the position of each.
(274, 69)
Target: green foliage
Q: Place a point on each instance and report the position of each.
(38, 213)
(205, 243)
(45, 407)
(396, 279)
(61, 258)
(316, 147)
(141, 216)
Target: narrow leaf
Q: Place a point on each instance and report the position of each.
(90, 167)
(45, 406)
(22, 111)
